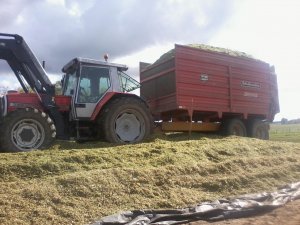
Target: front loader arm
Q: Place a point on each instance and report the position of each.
(23, 62)
(26, 66)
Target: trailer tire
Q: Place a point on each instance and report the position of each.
(234, 127)
(27, 129)
(126, 120)
(258, 129)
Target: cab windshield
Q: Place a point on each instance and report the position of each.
(69, 83)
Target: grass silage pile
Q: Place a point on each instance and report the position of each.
(67, 185)
(171, 53)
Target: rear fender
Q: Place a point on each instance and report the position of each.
(107, 99)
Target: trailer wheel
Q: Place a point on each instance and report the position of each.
(27, 129)
(258, 129)
(234, 127)
(126, 120)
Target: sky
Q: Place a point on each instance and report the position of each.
(131, 31)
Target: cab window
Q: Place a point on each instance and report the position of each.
(94, 82)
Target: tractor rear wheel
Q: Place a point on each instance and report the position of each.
(126, 120)
(27, 129)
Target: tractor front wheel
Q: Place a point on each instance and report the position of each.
(27, 129)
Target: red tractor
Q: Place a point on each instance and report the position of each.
(94, 104)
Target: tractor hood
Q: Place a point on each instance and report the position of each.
(16, 100)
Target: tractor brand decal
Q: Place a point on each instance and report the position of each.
(250, 94)
(21, 105)
(204, 77)
(250, 84)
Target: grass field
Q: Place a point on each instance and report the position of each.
(76, 184)
(286, 132)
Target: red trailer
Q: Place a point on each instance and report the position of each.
(211, 89)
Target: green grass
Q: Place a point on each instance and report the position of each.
(286, 132)
(76, 184)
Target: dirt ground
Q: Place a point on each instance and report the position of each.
(286, 215)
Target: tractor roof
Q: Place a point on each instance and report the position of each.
(77, 60)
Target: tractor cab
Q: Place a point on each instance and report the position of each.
(89, 81)
(95, 103)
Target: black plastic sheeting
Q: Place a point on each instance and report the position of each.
(228, 208)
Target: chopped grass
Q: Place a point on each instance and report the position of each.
(171, 53)
(69, 185)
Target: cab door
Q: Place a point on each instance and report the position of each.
(93, 83)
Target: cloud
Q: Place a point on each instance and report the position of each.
(10, 10)
(58, 30)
